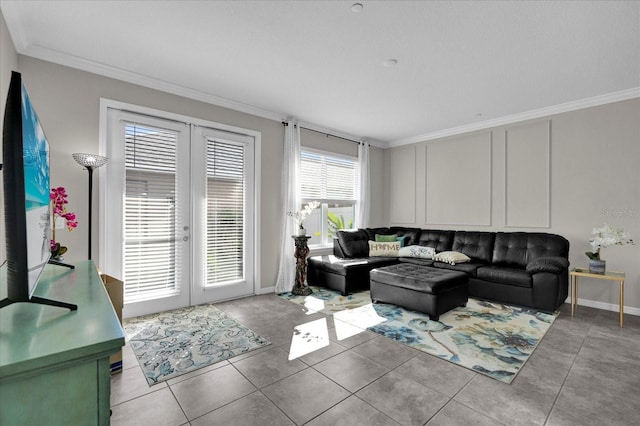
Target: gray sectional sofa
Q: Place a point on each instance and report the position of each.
(522, 268)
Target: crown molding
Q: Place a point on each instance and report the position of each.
(82, 64)
(104, 70)
(515, 118)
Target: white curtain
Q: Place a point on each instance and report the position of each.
(363, 205)
(292, 202)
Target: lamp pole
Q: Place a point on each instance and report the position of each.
(90, 162)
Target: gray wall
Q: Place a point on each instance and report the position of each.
(68, 100)
(563, 174)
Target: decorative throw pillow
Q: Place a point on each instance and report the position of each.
(388, 249)
(451, 257)
(401, 240)
(386, 238)
(417, 251)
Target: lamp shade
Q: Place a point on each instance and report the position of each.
(90, 160)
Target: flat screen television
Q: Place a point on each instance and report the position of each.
(25, 171)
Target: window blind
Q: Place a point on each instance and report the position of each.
(151, 257)
(327, 178)
(225, 212)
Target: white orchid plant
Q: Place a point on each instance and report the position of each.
(302, 214)
(606, 236)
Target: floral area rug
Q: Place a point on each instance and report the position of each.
(487, 337)
(175, 342)
(328, 301)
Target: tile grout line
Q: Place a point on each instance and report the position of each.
(283, 346)
(555, 400)
(179, 405)
(476, 375)
(277, 406)
(452, 399)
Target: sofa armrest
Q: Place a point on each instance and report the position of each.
(552, 264)
(337, 250)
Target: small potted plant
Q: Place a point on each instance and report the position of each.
(58, 207)
(604, 236)
(302, 214)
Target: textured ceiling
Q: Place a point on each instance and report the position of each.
(461, 65)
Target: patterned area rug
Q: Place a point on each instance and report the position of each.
(489, 338)
(176, 342)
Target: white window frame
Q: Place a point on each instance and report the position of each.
(105, 212)
(327, 242)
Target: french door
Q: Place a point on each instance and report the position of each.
(222, 186)
(181, 198)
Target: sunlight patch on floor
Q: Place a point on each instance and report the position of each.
(353, 321)
(313, 305)
(309, 337)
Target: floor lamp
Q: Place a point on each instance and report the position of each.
(90, 162)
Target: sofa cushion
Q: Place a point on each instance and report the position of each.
(546, 245)
(354, 244)
(371, 232)
(451, 257)
(477, 245)
(468, 268)
(416, 261)
(347, 267)
(417, 251)
(384, 248)
(516, 249)
(553, 264)
(505, 275)
(412, 235)
(381, 238)
(439, 240)
(402, 240)
(510, 249)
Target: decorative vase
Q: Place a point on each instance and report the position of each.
(597, 266)
(302, 232)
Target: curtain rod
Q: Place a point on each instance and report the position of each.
(324, 133)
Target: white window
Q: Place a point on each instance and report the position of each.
(150, 266)
(226, 223)
(333, 181)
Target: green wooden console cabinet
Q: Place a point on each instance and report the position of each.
(54, 363)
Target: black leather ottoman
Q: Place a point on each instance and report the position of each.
(420, 288)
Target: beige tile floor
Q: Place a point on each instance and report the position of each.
(586, 371)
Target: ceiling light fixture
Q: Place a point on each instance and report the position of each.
(390, 63)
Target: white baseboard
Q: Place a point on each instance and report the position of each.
(266, 290)
(605, 306)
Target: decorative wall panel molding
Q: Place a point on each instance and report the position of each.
(402, 176)
(527, 180)
(458, 181)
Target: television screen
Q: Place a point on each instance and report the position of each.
(36, 184)
(25, 172)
